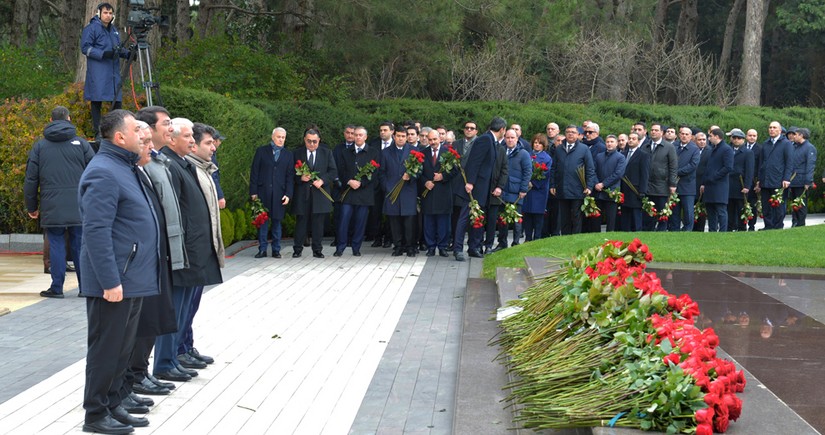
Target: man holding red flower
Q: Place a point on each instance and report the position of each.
(356, 168)
(271, 179)
(311, 203)
(400, 209)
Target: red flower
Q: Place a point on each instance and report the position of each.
(704, 415)
(298, 164)
(704, 429)
(672, 358)
(375, 164)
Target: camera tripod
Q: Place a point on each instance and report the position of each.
(144, 59)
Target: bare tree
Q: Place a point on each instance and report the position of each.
(389, 82)
(688, 20)
(750, 77)
(496, 71)
(727, 42)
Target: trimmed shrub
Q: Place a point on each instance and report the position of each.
(242, 224)
(227, 227)
(31, 72)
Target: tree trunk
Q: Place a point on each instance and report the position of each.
(184, 20)
(33, 25)
(688, 19)
(727, 43)
(18, 23)
(659, 21)
(750, 78)
(81, 59)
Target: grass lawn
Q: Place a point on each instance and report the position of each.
(795, 247)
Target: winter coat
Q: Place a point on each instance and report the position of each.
(350, 166)
(609, 171)
(391, 170)
(686, 171)
(272, 180)
(715, 180)
(520, 168)
(637, 172)
(663, 168)
(55, 165)
(536, 199)
(440, 199)
(158, 171)
(204, 171)
(776, 163)
(564, 173)
(804, 159)
(742, 172)
(102, 74)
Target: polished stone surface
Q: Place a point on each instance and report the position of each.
(772, 337)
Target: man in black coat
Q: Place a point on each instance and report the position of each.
(204, 268)
(470, 135)
(359, 193)
(437, 205)
(310, 205)
(53, 171)
(740, 180)
(664, 165)
(271, 179)
(565, 183)
(634, 183)
(751, 144)
(701, 140)
(337, 153)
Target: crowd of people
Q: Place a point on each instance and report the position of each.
(473, 189)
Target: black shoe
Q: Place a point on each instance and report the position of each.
(431, 252)
(377, 243)
(422, 246)
(159, 383)
(133, 407)
(46, 270)
(184, 370)
(459, 256)
(317, 255)
(333, 244)
(276, 255)
(147, 401)
(356, 253)
(197, 355)
(307, 242)
(173, 375)
(499, 247)
(475, 253)
(188, 362)
(387, 244)
(515, 242)
(450, 246)
(260, 254)
(50, 294)
(108, 425)
(296, 254)
(338, 253)
(411, 253)
(443, 253)
(148, 387)
(120, 414)
(397, 252)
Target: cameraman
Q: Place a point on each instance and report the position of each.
(100, 43)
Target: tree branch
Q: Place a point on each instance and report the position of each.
(303, 17)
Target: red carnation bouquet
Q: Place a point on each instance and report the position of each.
(510, 214)
(590, 208)
(539, 170)
(259, 213)
(413, 165)
(302, 168)
(365, 171)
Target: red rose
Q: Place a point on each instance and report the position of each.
(672, 358)
(648, 257)
(704, 415)
(704, 429)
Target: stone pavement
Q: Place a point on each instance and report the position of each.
(334, 345)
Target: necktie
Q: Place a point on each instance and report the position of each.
(569, 148)
(630, 153)
(312, 160)
(509, 151)
(276, 153)
(435, 156)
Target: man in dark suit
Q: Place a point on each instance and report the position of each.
(309, 204)
(459, 200)
(437, 205)
(635, 180)
(360, 192)
(402, 212)
(337, 152)
(739, 180)
(701, 140)
(610, 168)
(477, 161)
(804, 160)
(754, 147)
(501, 172)
(117, 218)
(271, 179)
(640, 128)
(663, 168)
(687, 154)
(378, 228)
(714, 185)
(776, 166)
(565, 183)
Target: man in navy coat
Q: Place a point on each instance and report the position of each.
(271, 179)
(714, 185)
(776, 166)
(401, 213)
(687, 154)
(359, 191)
(739, 180)
(120, 259)
(437, 205)
(634, 183)
(804, 159)
(565, 183)
(610, 167)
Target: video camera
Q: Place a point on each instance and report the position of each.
(141, 20)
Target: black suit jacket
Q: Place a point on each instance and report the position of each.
(272, 181)
(479, 167)
(637, 171)
(440, 199)
(305, 192)
(350, 165)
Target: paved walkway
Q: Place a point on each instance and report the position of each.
(334, 345)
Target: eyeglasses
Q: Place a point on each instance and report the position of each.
(589, 132)
(470, 128)
(310, 141)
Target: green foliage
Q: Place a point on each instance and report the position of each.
(31, 72)
(229, 67)
(227, 227)
(802, 16)
(288, 225)
(242, 227)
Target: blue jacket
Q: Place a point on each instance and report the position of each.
(120, 228)
(804, 159)
(564, 176)
(272, 180)
(686, 169)
(720, 164)
(536, 199)
(609, 171)
(742, 167)
(391, 170)
(102, 75)
(597, 146)
(519, 171)
(776, 163)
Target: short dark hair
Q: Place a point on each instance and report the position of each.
(644, 126)
(387, 124)
(571, 126)
(312, 131)
(114, 121)
(541, 138)
(468, 122)
(105, 5)
(497, 123)
(349, 126)
(60, 113)
(199, 130)
(718, 133)
(149, 115)
(412, 127)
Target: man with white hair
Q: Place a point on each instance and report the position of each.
(272, 180)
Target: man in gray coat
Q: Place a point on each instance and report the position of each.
(53, 171)
(664, 164)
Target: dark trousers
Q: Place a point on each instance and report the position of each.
(112, 327)
(491, 224)
(436, 230)
(270, 230)
(502, 232)
(139, 361)
(403, 232)
(462, 223)
(187, 338)
(774, 217)
(357, 214)
(551, 220)
(717, 216)
(57, 253)
(454, 221)
(314, 222)
(753, 198)
(609, 209)
(652, 223)
(798, 216)
(533, 225)
(682, 217)
(166, 346)
(570, 216)
(735, 206)
(96, 109)
(631, 219)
